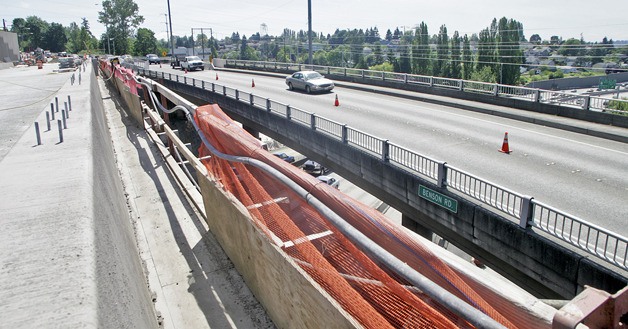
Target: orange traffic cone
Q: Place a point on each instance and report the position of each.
(336, 103)
(186, 71)
(216, 75)
(505, 148)
(253, 84)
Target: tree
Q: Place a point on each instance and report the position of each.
(145, 42)
(467, 61)
(456, 56)
(441, 66)
(120, 17)
(55, 38)
(421, 50)
(535, 38)
(509, 55)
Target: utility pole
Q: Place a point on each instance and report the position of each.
(167, 30)
(203, 37)
(309, 29)
(171, 34)
(192, 36)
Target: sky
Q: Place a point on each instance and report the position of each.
(567, 19)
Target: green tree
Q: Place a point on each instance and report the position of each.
(456, 58)
(55, 38)
(509, 55)
(467, 60)
(441, 65)
(421, 50)
(120, 17)
(145, 42)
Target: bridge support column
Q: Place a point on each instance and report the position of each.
(251, 131)
(417, 228)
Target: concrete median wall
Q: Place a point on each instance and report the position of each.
(124, 300)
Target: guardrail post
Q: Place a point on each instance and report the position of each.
(385, 150)
(363, 74)
(328, 70)
(163, 74)
(537, 95)
(313, 121)
(193, 82)
(251, 99)
(587, 103)
(300, 67)
(495, 90)
(383, 76)
(177, 78)
(288, 114)
(268, 104)
(224, 90)
(213, 88)
(170, 76)
(237, 95)
(442, 174)
(432, 82)
(344, 133)
(525, 216)
(461, 85)
(345, 71)
(405, 78)
(203, 84)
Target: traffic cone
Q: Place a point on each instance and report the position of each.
(505, 148)
(186, 71)
(159, 64)
(253, 84)
(216, 75)
(336, 103)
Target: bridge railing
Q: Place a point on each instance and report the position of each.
(528, 211)
(497, 90)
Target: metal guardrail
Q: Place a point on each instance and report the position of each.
(606, 245)
(585, 102)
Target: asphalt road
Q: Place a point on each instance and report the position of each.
(582, 175)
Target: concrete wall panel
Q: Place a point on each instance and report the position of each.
(288, 294)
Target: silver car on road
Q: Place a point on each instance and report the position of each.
(310, 81)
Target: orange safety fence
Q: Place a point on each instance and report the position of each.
(121, 73)
(368, 290)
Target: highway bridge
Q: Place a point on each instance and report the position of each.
(71, 257)
(569, 169)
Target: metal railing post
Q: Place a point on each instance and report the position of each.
(362, 74)
(442, 174)
(202, 84)
(345, 134)
(288, 114)
(224, 90)
(495, 90)
(268, 104)
(525, 217)
(587, 103)
(537, 95)
(313, 121)
(432, 82)
(461, 85)
(385, 150)
(345, 71)
(237, 95)
(405, 78)
(383, 76)
(252, 99)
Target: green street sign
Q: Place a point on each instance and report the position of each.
(438, 198)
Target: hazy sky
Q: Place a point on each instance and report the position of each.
(568, 19)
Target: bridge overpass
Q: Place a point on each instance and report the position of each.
(550, 268)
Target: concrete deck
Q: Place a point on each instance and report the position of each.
(96, 233)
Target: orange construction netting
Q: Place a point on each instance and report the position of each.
(372, 293)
